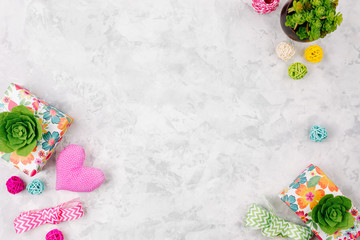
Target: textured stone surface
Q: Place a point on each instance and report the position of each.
(185, 107)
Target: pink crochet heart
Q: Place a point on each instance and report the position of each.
(72, 176)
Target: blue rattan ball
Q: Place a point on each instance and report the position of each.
(317, 133)
(36, 187)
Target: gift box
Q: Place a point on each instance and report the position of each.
(308, 196)
(54, 125)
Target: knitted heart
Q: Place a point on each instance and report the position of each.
(72, 176)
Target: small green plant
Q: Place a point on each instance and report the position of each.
(313, 19)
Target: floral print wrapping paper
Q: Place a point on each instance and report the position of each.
(305, 193)
(54, 124)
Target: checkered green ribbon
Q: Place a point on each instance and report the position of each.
(273, 226)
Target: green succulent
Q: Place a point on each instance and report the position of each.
(299, 18)
(317, 17)
(332, 213)
(329, 26)
(320, 11)
(316, 3)
(297, 7)
(316, 24)
(331, 15)
(302, 33)
(314, 34)
(290, 22)
(19, 131)
(327, 3)
(310, 16)
(338, 19)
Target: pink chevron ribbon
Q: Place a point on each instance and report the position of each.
(64, 212)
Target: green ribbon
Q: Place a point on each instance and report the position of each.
(273, 226)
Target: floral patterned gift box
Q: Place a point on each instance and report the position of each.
(308, 197)
(54, 125)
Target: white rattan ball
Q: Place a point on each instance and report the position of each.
(285, 51)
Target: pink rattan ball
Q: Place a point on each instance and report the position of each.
(54, 235)
(15, 185)
(265, 6)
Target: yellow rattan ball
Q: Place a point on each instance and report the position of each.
(314, 54)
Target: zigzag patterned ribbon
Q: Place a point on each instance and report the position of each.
(273, 226)
(65, 212)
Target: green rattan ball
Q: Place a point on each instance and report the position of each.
(297, 71)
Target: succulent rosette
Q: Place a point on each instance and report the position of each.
(332, 213)
(19, 131)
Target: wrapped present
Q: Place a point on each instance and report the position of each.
(322, 206)
(54, 124)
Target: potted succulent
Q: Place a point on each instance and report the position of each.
(309, 20)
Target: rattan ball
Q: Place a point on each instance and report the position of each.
(54, 235)
(285, 51)
(297, 71)
(317, 133)
(15, 185)
(314, 54)
(36, 187)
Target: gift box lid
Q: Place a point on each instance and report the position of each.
(54, 123)
(304, 194)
